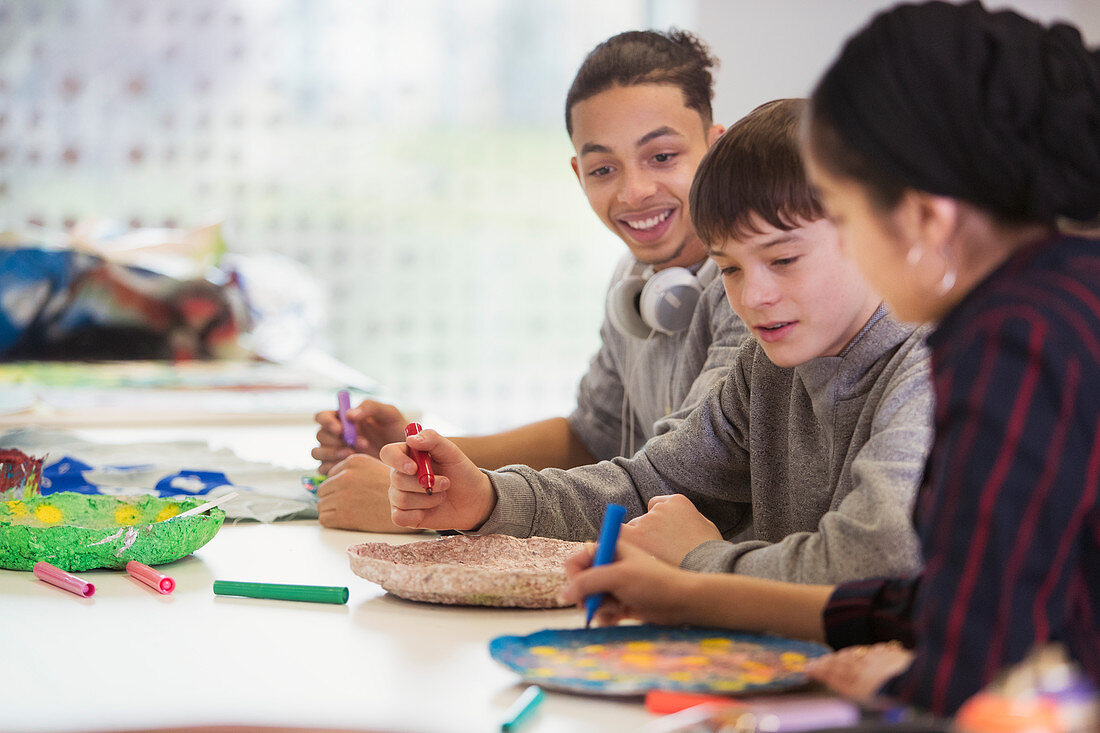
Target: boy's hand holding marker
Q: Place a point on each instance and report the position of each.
(352, 490)
(375, 422)
(461, 496)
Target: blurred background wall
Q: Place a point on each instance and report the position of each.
(411, 155)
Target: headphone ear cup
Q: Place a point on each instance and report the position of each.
(668, 299)
(623, 307)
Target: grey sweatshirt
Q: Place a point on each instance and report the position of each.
(811, 471)
(664, 377)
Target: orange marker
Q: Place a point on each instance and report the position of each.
(664, 702)
(423, 461)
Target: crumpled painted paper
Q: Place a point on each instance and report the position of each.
(266, 492)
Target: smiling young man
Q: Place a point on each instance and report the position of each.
(637, 149)
(801, 464)
(639, 116)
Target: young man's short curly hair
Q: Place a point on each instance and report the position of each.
(754, 169)
(647, 57)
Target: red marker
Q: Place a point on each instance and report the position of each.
(423, 461)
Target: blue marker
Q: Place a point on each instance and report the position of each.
(605, 553)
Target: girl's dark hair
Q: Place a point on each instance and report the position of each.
(647, 57)
(883, 186)
(987, 107)
(754, 168)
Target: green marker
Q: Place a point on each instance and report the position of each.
(522, 709)
(281, 592)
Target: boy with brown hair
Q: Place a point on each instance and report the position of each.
(801, 464)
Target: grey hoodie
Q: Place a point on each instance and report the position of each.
(809, 472)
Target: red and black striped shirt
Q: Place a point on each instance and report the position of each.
(1008, 515)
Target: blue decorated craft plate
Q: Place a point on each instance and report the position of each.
(631, 660)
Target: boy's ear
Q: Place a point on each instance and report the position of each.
(576, 170)
(714, 133)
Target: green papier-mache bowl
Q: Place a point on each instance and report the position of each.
(82, 532)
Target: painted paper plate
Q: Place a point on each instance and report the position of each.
(631, 660)
(82, 532)
(487, 570)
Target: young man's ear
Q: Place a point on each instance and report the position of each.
(714, 133)
(576, 170)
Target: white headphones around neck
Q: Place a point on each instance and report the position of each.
(644, 301)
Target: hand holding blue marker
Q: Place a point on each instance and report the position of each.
(343, 400)
(605, 553)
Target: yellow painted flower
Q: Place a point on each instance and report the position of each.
(792, 659)
(544, 651)
(169, 511)
(715, 643)
(638, 660)
(126, 515)
(640, 646)
(756, 678)
(592, 648)
(47, 514)
(18, 508)
(586, 663)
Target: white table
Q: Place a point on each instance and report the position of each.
(129, 658)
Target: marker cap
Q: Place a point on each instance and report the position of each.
(424, 474)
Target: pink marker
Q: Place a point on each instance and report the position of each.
(56, 576)
(423, 461)
(151, 578)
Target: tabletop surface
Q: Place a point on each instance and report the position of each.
(129, 658)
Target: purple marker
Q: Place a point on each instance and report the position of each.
(344, 401)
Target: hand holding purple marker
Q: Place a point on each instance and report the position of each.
(343, 400)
